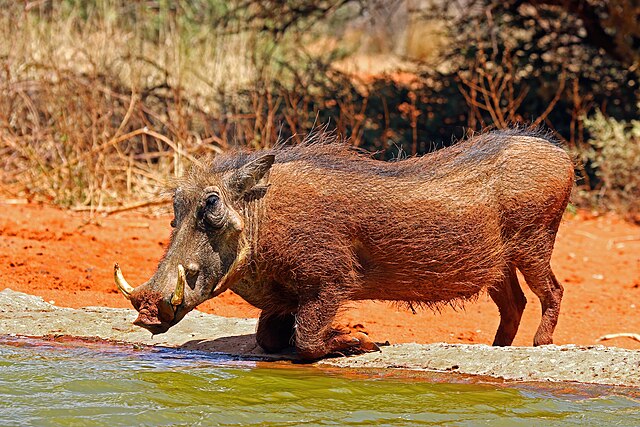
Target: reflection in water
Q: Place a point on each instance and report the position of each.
(71, 383)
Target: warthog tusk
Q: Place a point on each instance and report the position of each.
(178, 294)
(122, 284)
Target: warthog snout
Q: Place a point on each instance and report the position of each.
(156, 312)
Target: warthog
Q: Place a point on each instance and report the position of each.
(298, 231)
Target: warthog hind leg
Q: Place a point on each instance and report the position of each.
(535, 265)
(511, 302)
(550, 291)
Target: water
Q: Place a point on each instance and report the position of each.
(52, 383)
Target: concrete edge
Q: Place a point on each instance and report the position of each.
(27, 315)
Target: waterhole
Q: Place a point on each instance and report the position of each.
(50, 383)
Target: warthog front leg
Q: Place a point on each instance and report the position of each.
(315, 337)
(275, 331)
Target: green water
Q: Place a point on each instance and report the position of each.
(77, 384)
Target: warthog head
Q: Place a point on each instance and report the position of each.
(208, 247)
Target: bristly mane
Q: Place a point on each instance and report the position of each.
(326, 150)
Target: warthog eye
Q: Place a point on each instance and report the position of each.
(212, 201)
(213, 216)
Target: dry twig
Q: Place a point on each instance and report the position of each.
(635, 337)
(128, 207)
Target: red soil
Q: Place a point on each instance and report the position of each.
(68, 259)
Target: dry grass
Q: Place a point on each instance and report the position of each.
(94, 112)
(101, 104)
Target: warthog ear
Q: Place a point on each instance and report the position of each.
(248, 176)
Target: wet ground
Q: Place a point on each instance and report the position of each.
(26, 315)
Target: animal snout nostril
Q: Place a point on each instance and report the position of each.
(146, 321)
(153, 325)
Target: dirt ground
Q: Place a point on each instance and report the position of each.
(67, 257)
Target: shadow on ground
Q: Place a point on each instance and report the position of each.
(244, 345)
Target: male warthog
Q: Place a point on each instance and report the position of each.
(298, 231)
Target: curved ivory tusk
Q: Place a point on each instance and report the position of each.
(122, 284)
(178, 294)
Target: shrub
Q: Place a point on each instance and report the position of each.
(614, 156)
